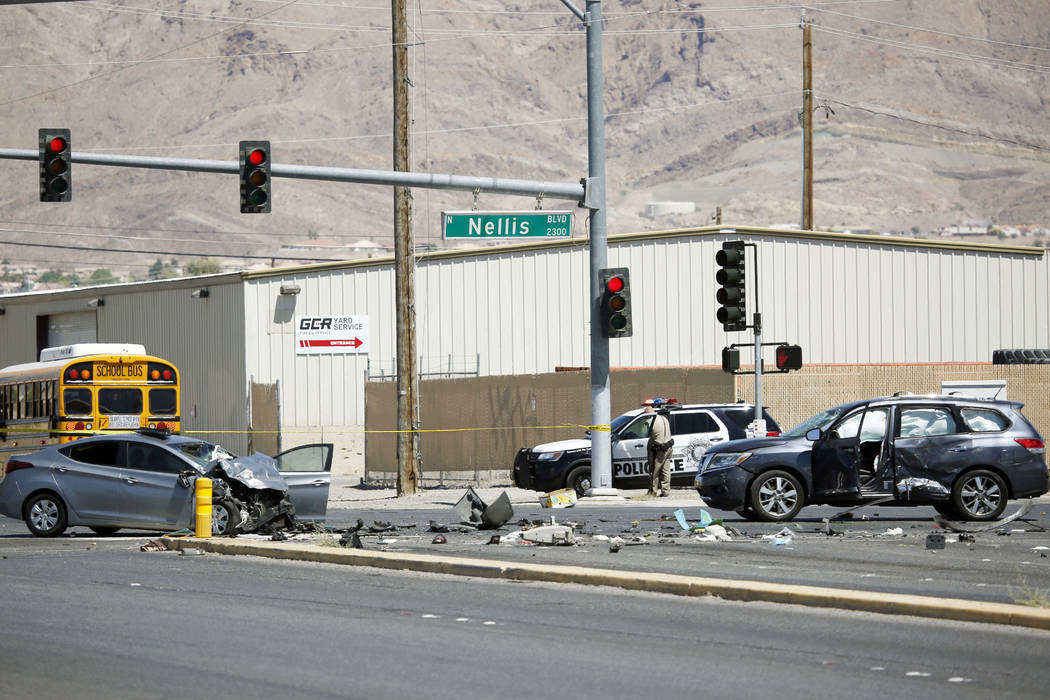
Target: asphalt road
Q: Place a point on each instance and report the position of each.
(863, 553)
(96, 618)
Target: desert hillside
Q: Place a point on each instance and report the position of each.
(930, 113)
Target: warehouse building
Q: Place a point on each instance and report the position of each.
(258, 360)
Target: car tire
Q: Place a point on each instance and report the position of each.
(225, 517)
(776, 496)
(980, 495)
(579, 479)
(100, 530)
(45, 515)
(946, 509)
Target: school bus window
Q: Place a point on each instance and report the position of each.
(77, 402)
(162, 402)
(20, 411)
(119, 401)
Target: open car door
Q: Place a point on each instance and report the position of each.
(851, 459)
(308, 471)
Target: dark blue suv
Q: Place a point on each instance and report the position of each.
(966, 457)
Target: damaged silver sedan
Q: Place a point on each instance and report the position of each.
(146, 481)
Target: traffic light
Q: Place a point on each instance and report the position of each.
(732, 314)
(616, 302)
(54, 165)
(255, 177)
(730, 359)
(789, 357)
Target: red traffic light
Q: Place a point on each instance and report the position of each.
(55, 161)
(614, 284)
(255, 176)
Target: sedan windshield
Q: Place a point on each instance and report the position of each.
(821, 420)
(203, 453)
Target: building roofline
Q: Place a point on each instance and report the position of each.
(702, 231)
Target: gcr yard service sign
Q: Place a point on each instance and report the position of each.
(327, 335)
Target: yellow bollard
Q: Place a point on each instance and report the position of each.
(203, 493)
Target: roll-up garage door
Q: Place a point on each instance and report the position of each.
(70, 328)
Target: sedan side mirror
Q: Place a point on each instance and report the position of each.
(813, 435)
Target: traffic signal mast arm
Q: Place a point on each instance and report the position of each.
(576, 191)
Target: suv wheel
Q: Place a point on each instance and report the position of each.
(776, 496)
(579, 479)
(980, 495)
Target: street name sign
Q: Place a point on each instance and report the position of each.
(490, 225)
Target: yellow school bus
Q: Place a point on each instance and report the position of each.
(84, 389)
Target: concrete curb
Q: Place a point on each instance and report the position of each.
(886, 603)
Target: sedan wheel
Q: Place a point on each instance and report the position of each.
(776, 496)
(45, 515)
(980, 495)
(224, 518)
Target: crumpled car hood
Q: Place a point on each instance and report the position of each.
(257, 471)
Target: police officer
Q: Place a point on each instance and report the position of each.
(659, 453)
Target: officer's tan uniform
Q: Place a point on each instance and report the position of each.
(659, 459)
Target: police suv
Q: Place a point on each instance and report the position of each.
(694, 427)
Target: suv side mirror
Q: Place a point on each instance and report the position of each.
(813, 435)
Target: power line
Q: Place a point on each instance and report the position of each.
(942, 127)
(943, 53)
(173, 253)
(931, 31)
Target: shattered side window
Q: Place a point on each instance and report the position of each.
(876, 422)
(984, 420)
(848, 428)
(926, 422)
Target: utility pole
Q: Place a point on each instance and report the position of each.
(807, 123)
(404, 270)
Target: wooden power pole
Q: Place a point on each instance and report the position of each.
(807, 125)
(404, 270)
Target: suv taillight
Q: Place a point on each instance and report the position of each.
(1034, 446)
(15, 465)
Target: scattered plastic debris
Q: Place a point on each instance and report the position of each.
(191, 552)
(471, 509)
(713, 533)
(935, 540)
(705, 520)
(893, 532)
(153, 546)
(549, 534)
(562, 498)
(782, 538)
(439, 539)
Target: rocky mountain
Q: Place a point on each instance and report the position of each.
(928, 113)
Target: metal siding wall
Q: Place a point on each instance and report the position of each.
(318, 390)
(204, 338)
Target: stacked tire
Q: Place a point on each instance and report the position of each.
(1021, 357)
